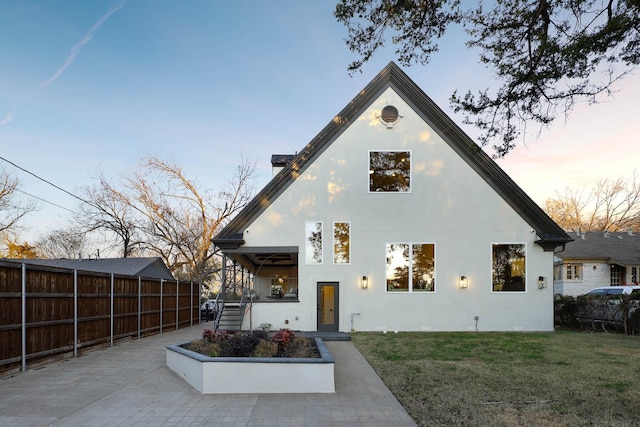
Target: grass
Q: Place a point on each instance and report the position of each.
(566, 378)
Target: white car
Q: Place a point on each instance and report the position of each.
(614, 290)
(207, 310)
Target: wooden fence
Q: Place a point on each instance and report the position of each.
(48, 313)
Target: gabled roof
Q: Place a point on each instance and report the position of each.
(145, 267)
(612, 248)
(551, 235)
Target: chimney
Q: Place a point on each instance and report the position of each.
(280, 161)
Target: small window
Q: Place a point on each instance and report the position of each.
(313, 242)
(574, 271)
(341, 243)
(390, 171)
(509, 267)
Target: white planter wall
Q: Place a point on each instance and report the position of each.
(226, 375)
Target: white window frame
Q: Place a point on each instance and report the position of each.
(310, 251)
(570, 271)
(370, 171)
(348, 262)
(410, 285)
(526, 268)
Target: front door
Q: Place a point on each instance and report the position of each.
(327, 306)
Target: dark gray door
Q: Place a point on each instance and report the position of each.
(327, 306)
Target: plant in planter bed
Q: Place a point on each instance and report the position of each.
(258, 343)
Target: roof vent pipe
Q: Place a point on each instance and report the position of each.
(630, 231)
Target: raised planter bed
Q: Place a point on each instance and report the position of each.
(222, 375)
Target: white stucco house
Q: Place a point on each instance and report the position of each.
(393, 219)
(597, 259)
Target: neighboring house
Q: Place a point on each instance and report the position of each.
(392, 218)
(152, 267)
(597, 259)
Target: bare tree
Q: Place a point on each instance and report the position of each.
(175, 218)
(12, 207)
(612, 205)
(111, 211)
(64, 243)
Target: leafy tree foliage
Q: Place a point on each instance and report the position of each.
(546, 55)
(612, 205)
(18, 250)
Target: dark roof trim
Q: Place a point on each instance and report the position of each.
(225, 243)
(264, 250)
(551, 235)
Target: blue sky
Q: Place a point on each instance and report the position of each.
(96, 85)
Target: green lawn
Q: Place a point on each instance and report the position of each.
(566, 378)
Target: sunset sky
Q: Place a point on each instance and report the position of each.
(88, 86)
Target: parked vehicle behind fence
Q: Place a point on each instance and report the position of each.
(614, 290)
(208, 310)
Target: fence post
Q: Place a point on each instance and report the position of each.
(24, 317)
(191, 304)
(139, 304)
(75, 313)
(161, 292)
(177, 302)
(112, 313)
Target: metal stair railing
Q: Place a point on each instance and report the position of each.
(220, 304)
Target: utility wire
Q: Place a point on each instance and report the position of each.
(48, 182)
(46, 201)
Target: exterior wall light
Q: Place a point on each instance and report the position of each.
(364, 283)
(464, 282)
(542, 282)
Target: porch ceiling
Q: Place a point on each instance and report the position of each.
(254, 258)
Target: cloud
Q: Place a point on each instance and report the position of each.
(7, 119)
(75, 50)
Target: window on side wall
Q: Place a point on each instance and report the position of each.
(313, 242)
(341, 242)
(390, 171)
(410, 267)
(509, 267)
(573, 271)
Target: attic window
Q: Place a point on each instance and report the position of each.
(389, 116)
(390, 171)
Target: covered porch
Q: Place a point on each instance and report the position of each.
(273, 272)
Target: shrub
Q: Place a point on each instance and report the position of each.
(283, 338)
(204, 347)
(214, 336)
(265, 349)
(302, 347)
(617, 313)
(265, 327)
(283, 343)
